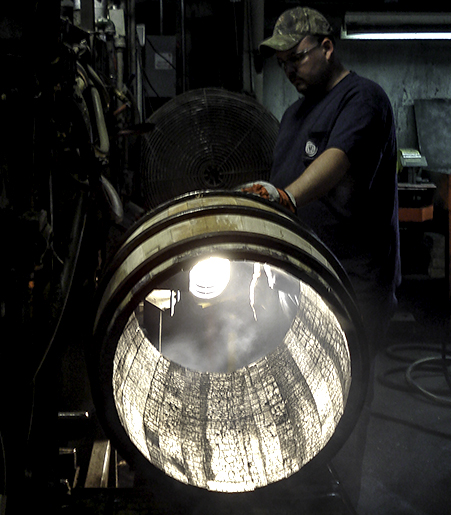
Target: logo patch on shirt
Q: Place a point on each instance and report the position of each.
(311, 149)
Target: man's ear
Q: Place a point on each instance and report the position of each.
(328, 47)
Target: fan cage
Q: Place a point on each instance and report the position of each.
(206, 139)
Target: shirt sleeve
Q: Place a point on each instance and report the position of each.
(361, 128)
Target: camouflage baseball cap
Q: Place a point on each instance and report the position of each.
(293, 25)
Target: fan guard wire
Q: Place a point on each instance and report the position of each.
(207, 138)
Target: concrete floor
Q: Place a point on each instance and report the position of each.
(407, 461)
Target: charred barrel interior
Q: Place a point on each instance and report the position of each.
(228, 351)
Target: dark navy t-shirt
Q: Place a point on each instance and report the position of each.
(358, 218)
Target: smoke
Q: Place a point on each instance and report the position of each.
(248, 321)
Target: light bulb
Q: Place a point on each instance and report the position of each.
(209, 278)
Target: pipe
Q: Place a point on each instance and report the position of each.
(183, 45)
(132, 49)
(104, 142)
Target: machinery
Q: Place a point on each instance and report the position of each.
(64, 110)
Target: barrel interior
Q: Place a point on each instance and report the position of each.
(237, 391)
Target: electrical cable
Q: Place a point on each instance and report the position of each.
(150, 84)
(391, 351)
(160, 54)
(164, 58)
(144, 74)
(412, 382)
(60, 317)
(143, 70)
(3, 458)
(443, 360)
(249, 44)
(384, 379)
(445, 368)
(70, 272)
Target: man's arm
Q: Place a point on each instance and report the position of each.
(320, 177)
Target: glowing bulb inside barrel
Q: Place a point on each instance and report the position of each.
(209, 278)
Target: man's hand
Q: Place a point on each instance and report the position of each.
(270, 192)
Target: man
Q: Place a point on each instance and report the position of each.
(335, 158)
(335, 164)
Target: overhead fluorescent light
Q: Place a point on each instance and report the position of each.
(396, 26)
(399, 36)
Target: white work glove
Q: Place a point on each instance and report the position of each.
(270, 192)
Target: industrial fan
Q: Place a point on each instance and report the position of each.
(206, 139)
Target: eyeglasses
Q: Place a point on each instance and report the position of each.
(296, 58)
